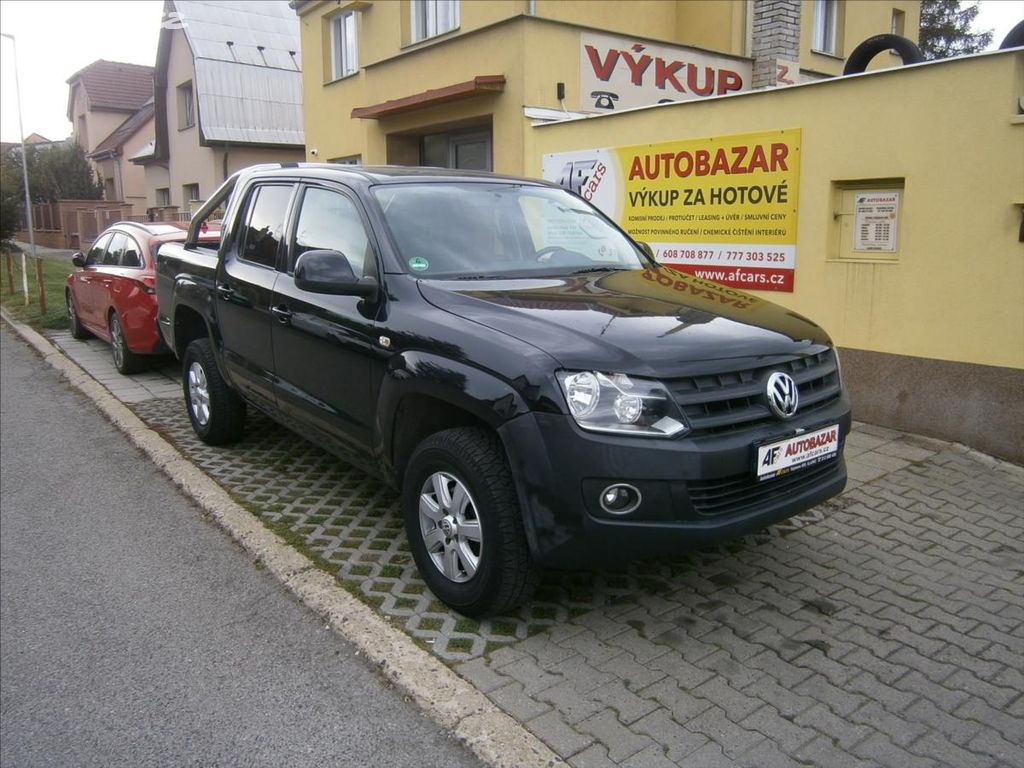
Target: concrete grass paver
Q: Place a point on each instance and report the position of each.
(884, 628)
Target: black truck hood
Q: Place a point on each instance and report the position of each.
(646, 322)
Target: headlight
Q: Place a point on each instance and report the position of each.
(614, 402)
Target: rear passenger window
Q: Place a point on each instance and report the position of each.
(95, 256)
(132, 255)
(112, 258)
(264, 225)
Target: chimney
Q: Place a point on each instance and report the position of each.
(775, 37)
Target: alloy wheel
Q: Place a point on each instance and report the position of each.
(450, 527)
(198, 393)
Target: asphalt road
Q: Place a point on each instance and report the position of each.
(133, 632)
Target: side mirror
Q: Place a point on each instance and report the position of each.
(78, 259)
(325, 271)
(646, 248)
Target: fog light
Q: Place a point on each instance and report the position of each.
(619, 499)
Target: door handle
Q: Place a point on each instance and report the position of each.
(226, 292)
(282, 313)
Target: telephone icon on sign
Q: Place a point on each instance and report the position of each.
(604, 99)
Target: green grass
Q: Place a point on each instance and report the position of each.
(55, 272)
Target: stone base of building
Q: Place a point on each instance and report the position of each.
(977, 405)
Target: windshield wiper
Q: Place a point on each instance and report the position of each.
(598, 269)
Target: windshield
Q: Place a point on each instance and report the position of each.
(474, 230)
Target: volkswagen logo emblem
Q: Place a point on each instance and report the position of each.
(783, 396)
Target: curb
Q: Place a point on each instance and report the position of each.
(447, 699)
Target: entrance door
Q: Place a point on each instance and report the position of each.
(465, 150)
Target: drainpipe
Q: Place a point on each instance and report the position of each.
(531, 7)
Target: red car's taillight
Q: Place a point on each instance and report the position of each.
(147, 284)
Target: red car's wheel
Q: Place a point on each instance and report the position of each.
(125, 360)
(77, 329)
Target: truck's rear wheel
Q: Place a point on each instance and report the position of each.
(217, 413)
(464, 525)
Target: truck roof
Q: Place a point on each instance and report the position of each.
(384, 174)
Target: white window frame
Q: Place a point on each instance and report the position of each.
(344, 45)
(825, 26)
(431, 18)
(186, 106)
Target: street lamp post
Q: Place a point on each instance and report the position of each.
(24, 170)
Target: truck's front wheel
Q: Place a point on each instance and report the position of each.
(464, 524)
(217, 413)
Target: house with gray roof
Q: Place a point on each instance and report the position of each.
(227, 94)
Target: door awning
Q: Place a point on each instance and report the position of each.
(480, 85)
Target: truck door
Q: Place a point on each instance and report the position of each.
(323, 343)
(246, 275)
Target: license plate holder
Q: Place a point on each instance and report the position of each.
(790, 454)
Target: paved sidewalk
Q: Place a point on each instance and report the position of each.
(883, 628)
(160, 380)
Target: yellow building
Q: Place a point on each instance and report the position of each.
(459, 84)
(929, 314)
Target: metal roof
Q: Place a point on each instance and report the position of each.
(248, 72)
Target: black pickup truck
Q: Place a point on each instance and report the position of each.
(539, 388)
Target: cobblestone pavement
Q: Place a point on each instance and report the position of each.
(885, 628)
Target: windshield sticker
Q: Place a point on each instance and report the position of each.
(418, 264)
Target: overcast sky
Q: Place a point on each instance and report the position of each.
(56, 38)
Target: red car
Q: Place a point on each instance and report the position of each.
(111, 294)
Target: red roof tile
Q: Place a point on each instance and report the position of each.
(115, 86)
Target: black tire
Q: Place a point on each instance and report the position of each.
(77, 329)
(1014, 38)
(126, 361)
(216, 411)
(863, 54)
(505, 575)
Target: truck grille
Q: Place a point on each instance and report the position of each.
(729, 400)
(738, 493)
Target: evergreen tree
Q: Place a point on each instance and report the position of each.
(946, 29)
(57, 172)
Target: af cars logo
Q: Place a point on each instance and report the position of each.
(582, 177)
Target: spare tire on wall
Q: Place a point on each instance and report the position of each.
(1015, 38)
(863, 54)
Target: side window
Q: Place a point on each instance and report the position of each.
(95, 256)
(132, 254)
(264, 225)
(112, 258)
(330, 220)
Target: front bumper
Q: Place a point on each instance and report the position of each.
(696, 490)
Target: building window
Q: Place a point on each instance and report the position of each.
(189, 192)
(344, 50)
(163, 197)
(186, 106)
(350, 160)
(826, 18)
(433, 17)
(898, 22)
